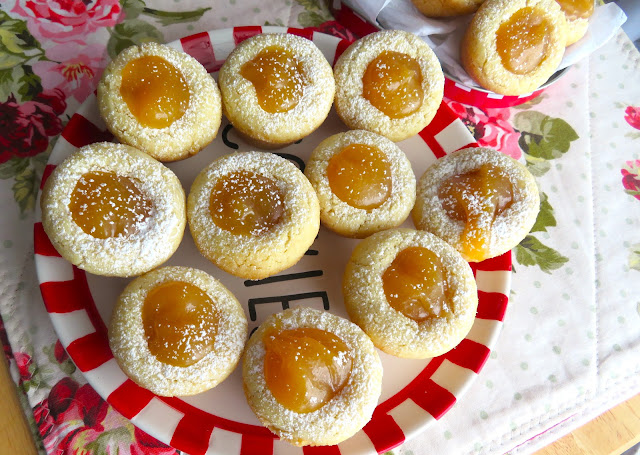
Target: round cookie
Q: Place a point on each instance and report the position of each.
(577, 14)
(276, 88)
(512, 47)
(410, 292)
(177, 331)
(253, 214)
(447, 8)
(480, 201)
(364, 183)
(352, 366)
(111, 209)
(370, 96)
(160, 100)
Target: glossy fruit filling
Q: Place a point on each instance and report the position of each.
(277, 77)
(105, 204)
(246, 203)
(306, 367)
(155, 91)
(360, 175)
(476, 198)
(522, 41)
(392, 83)
(576, 9)
(415, 284)
(180, 323)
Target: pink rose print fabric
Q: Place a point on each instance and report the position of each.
(631, 178)
(67, 20)
(75, 420)
(25, 128)
(490, 128)
(77, 76)
(632, 116)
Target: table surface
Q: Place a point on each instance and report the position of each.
(611, 433)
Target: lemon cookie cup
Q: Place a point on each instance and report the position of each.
(512, 47)
(160, 100)
(390, 83)
(479, 200)
(253, 214)
(276, 88)
(364, 183)
(111, 209)
(342, 366)
(577, 14)
(177, 331)
(411, 292)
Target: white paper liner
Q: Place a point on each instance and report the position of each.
(444, 35)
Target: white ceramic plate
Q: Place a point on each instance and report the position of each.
(415, 392)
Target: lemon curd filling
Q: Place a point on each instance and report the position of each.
(246, 203)
(180, 323)
(392, 83)
(305, 368)
(476, 198)
(277, 77)
(415, 284)
(105, 204)
(360, 175)
(155, 91)
(523, 40)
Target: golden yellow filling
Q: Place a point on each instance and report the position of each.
(277, 77)
(576, 9)
(476, 198)
(392, 83)
(155, 91)
(415, 284)
(246, 203)
(105, 204)
(306, 367)
(180, 323)
(360, 175)
(522, 40)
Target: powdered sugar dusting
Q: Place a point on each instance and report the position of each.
(274, 249)
(128, 340)
(508, 228)
(156, 236)
(390, 330)
(239, 96)
(343, 415)
(357, 112)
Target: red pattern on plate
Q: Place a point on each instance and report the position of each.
(194, 429)
(199, 47)
(80, 132)
(467, 95)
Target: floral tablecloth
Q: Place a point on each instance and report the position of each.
(569, 347)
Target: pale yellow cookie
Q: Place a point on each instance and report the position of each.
(364, 183)
(311, 377)
(390, 83)
(479, 200)
(111, 209)
(447, 8)
(577, 13)
(253, 214)
(160, 100)
(411, 292)
(276, 88)
(177, 331)
(512, 47)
